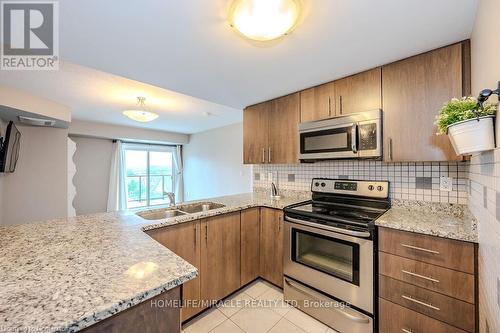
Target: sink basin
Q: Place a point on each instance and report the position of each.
(180, 210)
(160, 214)
(199, 207)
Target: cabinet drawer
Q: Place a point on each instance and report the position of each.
(433, 250)
(442, 280)
(397, 319)
(450, 310)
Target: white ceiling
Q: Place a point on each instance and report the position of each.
(187, 46)
(101, 97)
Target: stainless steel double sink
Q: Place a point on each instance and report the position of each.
(179, 210)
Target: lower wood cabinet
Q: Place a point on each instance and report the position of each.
(418, 291)
(153, 315)
(271, 245)
(250, 245)
(220, 256)
(184, 240)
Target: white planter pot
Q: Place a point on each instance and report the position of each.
(471, 136)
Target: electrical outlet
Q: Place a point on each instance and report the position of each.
(446, 184)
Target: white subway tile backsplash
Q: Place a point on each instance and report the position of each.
(402, 177)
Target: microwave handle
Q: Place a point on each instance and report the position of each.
(354, 138)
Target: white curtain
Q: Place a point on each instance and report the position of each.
(178, 178)
(117, 193)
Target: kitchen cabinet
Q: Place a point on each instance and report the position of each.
(255, 133)
(359, 92)
(184, 240)
(144, 317)
(317, 102)
(414, 90)
(220, 256)
(431, 281)
(283, 130)
(270, 131)
(250, 245)
(271, 245)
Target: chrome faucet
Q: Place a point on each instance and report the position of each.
(171, 197)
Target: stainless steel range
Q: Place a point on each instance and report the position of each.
(329, 252)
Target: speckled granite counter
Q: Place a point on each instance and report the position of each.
(67, 274)
(442, 220)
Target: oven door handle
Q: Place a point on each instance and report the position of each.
(311, 293)
(364, 234)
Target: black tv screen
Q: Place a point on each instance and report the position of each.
(9, 151)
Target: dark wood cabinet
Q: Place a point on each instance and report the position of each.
(414, 90)
(271, 245)
(250, 245)
(359, 92)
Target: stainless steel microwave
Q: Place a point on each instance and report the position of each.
(357, 135)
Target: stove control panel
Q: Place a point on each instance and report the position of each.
(365, 188)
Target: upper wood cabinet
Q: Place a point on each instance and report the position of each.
(359, 92)
(318, 102)
(269, 128)
(184, 240)
(414, 90)
(220, 256)
(250, 245)
(284, 130)
(271, 245)
(255, 133)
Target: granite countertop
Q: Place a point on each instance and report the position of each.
(67, 274)
(451, 221)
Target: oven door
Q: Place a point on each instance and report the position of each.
(337, 264)
(328, 142)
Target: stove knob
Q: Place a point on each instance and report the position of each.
(380, 188)
(316, 184)
(323, 184)
(370, 187)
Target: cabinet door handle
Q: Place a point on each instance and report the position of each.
(406, 331)
(206, 232)
(416, 248)
(329, 106)
(195, 228)
(420, 276)
(340, 104)
(269, 155)
(263, 155)
(390, 149)
(411, 299)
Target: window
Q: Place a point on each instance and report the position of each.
(149, 174)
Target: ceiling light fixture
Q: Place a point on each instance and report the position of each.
(141, 115)
(264, 20)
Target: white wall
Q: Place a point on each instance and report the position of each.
(213, 164)
(37, 190)
(484, 200)
(92, 160)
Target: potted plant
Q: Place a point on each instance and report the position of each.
(469, 126)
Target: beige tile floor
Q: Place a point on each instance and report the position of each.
(258, 308)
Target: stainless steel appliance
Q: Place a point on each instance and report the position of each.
(357, 135)
(330, 252)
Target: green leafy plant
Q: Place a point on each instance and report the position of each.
(461, 109)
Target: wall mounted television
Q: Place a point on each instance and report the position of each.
(10, 145)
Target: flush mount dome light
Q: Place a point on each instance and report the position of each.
(141, 115)
(264, 20)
